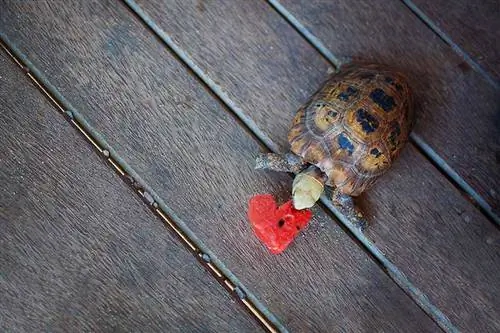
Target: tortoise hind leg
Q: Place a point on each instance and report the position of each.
(283, 163)
(345, 204)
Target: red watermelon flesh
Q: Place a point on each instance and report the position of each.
(276, 227)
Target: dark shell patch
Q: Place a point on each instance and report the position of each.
(393, 136)
(383, 100)
(375, 152)
(368, 122)
(345, 144)
(345, 95)
(394, 83)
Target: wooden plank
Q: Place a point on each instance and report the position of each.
(457, 111)
(79, 250)
(200, 161)
(473, 26)
(420, 221)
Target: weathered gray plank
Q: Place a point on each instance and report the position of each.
(197, 157)
(79, 252)
(472, 25)
(419, 220)
(457, 108)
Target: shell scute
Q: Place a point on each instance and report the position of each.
(362, 124)
(324, 117)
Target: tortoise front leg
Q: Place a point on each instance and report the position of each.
(345, 204)
(283, 163)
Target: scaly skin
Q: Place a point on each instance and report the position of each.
(281, 163)
(345, 204)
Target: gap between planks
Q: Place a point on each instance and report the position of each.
(447, 39)
(455, 179)
(203, 255)
(367, 245)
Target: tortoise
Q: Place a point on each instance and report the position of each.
(346, 136)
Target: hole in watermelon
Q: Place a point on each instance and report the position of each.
(281, 223)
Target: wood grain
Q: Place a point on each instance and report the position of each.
(419, 220)
(80, 252)
(457, 112)
(473, 25)
(197, 157)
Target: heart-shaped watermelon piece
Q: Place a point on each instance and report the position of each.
(276, 226)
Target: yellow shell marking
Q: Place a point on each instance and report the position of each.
(325, 116)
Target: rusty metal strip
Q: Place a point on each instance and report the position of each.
(204, 256)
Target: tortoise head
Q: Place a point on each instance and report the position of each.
(307, 187)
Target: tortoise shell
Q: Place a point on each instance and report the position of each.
(355, 126)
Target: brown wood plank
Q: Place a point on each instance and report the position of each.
(420, 221)
(457, 112)
(472, 25)
(79, 250)
(197, 157)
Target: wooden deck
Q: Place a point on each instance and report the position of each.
(129, 132)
